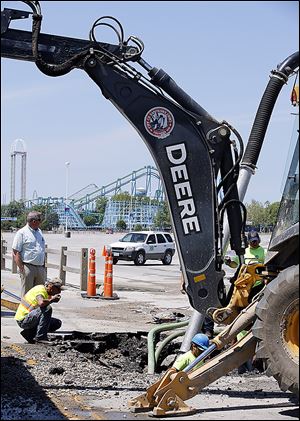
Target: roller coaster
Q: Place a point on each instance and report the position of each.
(144, 181)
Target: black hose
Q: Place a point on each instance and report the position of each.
(261, 122)
(46, 68)
(278, 78)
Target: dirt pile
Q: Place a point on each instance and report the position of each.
(31, 374)
(103, 370)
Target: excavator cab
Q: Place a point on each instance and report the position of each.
(283, 248)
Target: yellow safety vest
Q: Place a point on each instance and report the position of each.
(252, 255)
(29, 301)
(241, 335)
(186, 359)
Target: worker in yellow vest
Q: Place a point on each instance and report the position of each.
(254, 253)
(199, 344)
(34, 312)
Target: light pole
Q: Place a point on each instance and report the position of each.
(67, 164)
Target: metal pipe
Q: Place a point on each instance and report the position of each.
(160, 78)
(195, 326)
(277, 80)
(242, 185)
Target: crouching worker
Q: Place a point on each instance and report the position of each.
(200, 343)
(34, 312)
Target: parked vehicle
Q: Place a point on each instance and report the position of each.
(144, 245)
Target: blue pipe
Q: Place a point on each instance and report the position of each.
(201, 357)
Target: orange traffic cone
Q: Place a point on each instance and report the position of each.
(106, 255)
(108, 277)
(91, 285)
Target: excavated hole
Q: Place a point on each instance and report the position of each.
(127, 351)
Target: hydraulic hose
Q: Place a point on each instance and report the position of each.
(166, 341)
(151, 341)
(277, 79)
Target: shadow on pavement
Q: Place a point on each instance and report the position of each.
(294, 413)
(21, 396)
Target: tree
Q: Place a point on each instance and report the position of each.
(101, 203)
(13, 209)
(122, 197)
(90, 220)
(271, 212)
(121, 224)
(138, 227)
(6, 225)
(52, 221)
(262, 215)
(162, 218)
(255, 212)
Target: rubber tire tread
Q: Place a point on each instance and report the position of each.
(282, 291)
(136, 262)
(164, 261)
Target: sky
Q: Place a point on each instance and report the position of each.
(220, 53)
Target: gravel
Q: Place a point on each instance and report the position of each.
(47, 382)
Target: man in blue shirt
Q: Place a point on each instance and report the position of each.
(29, 253)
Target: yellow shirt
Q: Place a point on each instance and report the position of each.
(252, 255)
(31, 300)
(184, 360)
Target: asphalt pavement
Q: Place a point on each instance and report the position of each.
(144, 292)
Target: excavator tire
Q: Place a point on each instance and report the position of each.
(277, 329)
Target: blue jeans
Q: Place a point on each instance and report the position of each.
(40, 322)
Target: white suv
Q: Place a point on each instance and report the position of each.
(143, 245)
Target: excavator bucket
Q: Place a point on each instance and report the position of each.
(161, 397)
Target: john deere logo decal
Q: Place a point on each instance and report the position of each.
(159, 122)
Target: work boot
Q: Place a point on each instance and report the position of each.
(44, 340)
(28, 336)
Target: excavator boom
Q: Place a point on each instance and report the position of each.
(191, 149)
